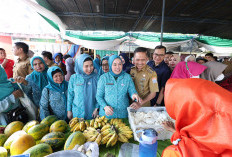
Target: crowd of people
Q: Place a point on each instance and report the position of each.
(85, 88)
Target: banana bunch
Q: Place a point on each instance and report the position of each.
(93, 135)
(109, 135)
(98, 122)
(116, 126)
(73, 122)
(78, 125)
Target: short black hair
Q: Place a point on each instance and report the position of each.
(66, 56)
(22, 45)
(201, 58)
(215, 57)
(2, 49)
(47, 54)
(57, 71)
(169, 53)
(141, 49)
(88, 59)
(161, 47)
(209, 54)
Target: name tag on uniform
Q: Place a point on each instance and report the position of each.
(154, 80)
(80, 84)
(109, 83)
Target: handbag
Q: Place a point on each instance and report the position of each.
(29, 106)
(17, 114)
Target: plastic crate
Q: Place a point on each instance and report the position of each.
(163, 134)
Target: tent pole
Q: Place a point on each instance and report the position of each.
(162, 23)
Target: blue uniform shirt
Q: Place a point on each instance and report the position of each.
(163, 73)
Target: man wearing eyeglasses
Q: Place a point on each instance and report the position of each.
(163, 73)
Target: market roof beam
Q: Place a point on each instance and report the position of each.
(142, 14)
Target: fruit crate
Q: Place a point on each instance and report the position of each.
(163, 134)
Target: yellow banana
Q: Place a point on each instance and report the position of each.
(92, 123)
(107, 126)
(122, 138)
(74, 119)
(76, 127)
(98, 139)
(82, 125)
(111, 139)
(87, 124)
(106, 138)
(95, 125)
(92, 138)
(106, 132)
(72, 128)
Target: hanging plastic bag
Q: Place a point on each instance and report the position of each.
(32, 110)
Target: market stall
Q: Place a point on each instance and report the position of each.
(53, 135)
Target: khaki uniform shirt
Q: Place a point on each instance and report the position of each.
(145, 81)
(22, 67)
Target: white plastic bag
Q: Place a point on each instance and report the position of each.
(32, 110)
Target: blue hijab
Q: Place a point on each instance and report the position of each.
(61, 88)
(57, 54)
(96, 64)
(40, 78)
(101, 70)
(127, 65)
(111, 60)
(6, 87)
(90, 87)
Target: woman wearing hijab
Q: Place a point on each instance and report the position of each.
(113, 90)
(104, 66)
(82, 90)
(174, 59)
(214, 71)
(190, 58)
(203, 123)
(9, 94)
(126, 62)
(69, 67)
(36, 81)
(54, 95)
(188, 70)
(58, 59)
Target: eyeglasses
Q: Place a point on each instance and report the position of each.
(159, 55)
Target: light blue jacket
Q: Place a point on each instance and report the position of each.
(115, 93)
(56, 102)
(76, 98)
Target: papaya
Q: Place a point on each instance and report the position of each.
(13, 137)
(59, 126)
(54, 139)
(38, 131)
(39, 150)
(74, 139)
(49, 120)
(3, 138)
(3, 152)
(21, 144)
(13, 127)
(29, 125)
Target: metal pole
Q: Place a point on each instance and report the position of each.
(162, 23)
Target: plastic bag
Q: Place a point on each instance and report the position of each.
(129, 150)
(29, 105)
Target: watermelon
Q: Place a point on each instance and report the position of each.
(29, 125)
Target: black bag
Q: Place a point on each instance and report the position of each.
(17, 114)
